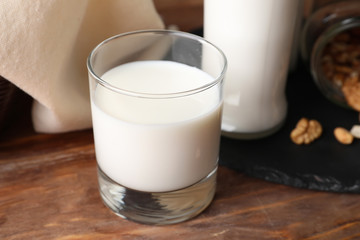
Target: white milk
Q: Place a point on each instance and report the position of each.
(256, 36)
(156, 145)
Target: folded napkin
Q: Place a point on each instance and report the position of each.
(44, 45)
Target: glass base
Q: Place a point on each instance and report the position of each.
(252, 135)
(158, 208)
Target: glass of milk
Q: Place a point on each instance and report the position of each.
(156, 100)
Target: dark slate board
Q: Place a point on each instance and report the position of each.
(323, 165)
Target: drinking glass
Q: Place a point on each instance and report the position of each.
(156, 101)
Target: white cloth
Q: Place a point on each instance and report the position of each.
(44, 45)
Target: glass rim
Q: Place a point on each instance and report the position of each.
(182, 34)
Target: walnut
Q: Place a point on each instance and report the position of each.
(351, 90)
(343, 69)
(306, 131)
(343, 136)
(341, 65)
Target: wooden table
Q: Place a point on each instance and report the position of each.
(48, 190)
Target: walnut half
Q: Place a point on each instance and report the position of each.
(306, 131)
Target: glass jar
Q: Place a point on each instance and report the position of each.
(331, 46)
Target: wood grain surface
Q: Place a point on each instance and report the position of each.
(187, 15)
(48, 190)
